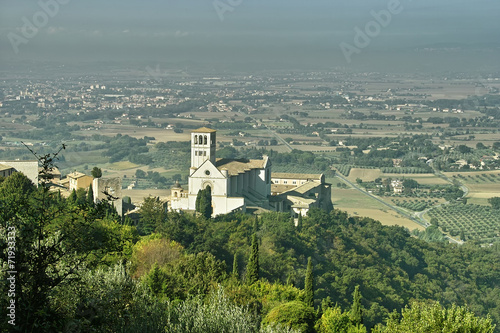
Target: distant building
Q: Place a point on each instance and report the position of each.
(397, 186)
(28, 168)
(109, 189)
(297, 193)
(78, 180)
(241, 184)
(6, 171)
(235, 184)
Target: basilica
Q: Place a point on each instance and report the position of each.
(244, 183)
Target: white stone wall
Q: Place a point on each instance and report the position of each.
(208, 174)
(112, 186)
(28, 168)
(223, 205)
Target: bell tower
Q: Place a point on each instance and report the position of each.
(203, 144)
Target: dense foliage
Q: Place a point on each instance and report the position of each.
(80, 269)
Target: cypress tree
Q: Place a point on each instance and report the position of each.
(90, 196)
(356, 311)
(72, 197)
(256, 224)
(236, 270)
(208, 209)
(198, 200)
(253, 262)
(309, 288)
(203, 203)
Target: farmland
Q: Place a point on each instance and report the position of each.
(372, 128)
(470, 222)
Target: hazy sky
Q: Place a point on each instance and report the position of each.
(422, 34)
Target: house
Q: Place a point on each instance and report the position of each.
(397, 186)
(28, 168)
(6, 170)
(78, 180)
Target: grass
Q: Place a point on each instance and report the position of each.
(123, 165)
(366, 175)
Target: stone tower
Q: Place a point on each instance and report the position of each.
(203, 144)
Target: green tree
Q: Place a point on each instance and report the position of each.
(153, 214)
(309, 284)
(72, 198)
(422, 317)
(203, 204)
(295, 315)
(494, 202)
(90, 196)
(356, 313)
(140, 173)
(253, 262)
(52, 242)
(96, 172)
(236, 271)
(154, 280)
(334, 320)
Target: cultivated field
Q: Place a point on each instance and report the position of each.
(358, 204)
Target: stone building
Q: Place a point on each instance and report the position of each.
(238, 184)
(234, 184)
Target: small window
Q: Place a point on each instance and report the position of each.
(285, 182)
(200, 140)
(196, 139)
(207, 172)
(204, 153)
(206, 140)
(294, 182)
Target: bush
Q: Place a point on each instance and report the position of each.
(296, 315)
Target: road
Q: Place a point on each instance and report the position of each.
(273, 133)
(419, 221)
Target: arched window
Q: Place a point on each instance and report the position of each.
(201, 140)
(206, 141)
(196, 139)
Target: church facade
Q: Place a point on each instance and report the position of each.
(234, 184)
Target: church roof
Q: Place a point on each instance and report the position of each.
(279, 188)
(204, 130)
(235, 167)
(300, 202)
(302, 176)
(304, 188)
(5, 167)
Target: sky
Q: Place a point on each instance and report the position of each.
(268, 34)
